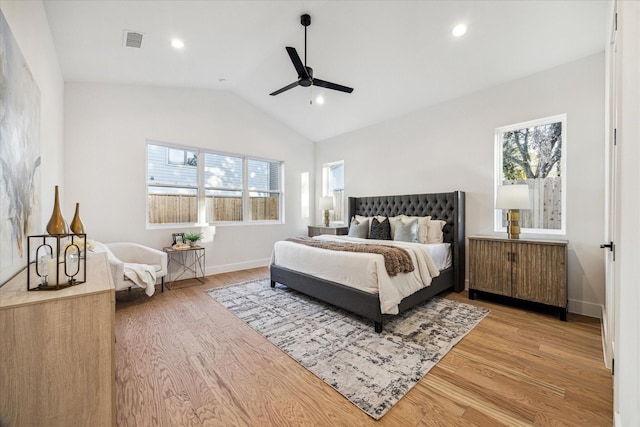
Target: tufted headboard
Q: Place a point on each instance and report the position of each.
(448, 207)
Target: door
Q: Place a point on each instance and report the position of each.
(540, 273)
(611, 199)
(490, 266)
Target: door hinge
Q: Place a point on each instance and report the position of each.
(615, 136)
(615, 22)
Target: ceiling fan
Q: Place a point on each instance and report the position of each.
(305, 74)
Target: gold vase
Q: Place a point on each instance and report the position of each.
(77, 227)
(57, 224)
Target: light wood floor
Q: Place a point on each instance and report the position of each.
(183, 360)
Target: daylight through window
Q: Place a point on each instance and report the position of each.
(533, 153)
(189, 186)
(333, 185)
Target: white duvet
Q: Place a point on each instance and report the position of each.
(363, 271)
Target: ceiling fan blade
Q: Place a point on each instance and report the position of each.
(297, 63)
(334, 86)
(287, 87)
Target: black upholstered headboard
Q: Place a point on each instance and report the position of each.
(448, 207)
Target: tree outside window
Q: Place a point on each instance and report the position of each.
(532, 153)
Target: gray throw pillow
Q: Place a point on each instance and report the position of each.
(406, 232)
(359, 228)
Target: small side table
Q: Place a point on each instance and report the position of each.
(188, 260)
(316, 230)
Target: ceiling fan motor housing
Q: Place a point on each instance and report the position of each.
(307, 81)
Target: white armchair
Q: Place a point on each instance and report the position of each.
(128, 260)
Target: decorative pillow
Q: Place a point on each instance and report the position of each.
(380, 218)
(392, 222)
(434, 232)
(362, 219)
(380, 230)
(359, 228)
(423, 224)
(406, 231)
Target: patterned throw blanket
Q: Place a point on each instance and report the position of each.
(396, 260)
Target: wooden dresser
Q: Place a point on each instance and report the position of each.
(57, 352)
(528, 270)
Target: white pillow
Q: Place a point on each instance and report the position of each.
(434, 231)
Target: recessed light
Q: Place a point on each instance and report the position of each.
(459, 30)
(178, 44)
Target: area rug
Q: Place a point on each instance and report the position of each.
(374, 371)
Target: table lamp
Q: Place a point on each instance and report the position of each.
(513, 197)
(326, 204)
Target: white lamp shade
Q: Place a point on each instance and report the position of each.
(513, 197)
(326, 203)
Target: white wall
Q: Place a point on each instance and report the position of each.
(451, 147)
(106, 128)
(28, 23)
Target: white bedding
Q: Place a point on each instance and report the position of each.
(365, 271)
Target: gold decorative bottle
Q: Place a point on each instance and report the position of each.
(77, 227)
(57, 224)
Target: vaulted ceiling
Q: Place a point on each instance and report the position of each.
(398, 56)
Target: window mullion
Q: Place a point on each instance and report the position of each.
(202, 206)
(245, 190)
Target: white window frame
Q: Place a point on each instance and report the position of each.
(325, 189)
(201, 196)
(498, 173)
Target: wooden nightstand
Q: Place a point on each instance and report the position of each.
(316, 230)
(527, 270)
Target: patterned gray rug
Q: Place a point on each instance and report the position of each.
(374, 371)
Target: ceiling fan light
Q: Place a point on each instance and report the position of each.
(178, 44)
(320, 99)
(459, 30)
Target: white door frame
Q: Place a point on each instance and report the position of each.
(611, 211)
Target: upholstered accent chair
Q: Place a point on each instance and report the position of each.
(126, 259)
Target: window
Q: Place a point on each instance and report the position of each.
(333, 185)
(533, 153)
(177, 156)
(222, 188)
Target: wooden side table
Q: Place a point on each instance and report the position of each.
(188, 260)
(316, 230)
(523, 269)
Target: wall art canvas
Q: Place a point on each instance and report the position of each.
(20, 212)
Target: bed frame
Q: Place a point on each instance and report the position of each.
(448, 207)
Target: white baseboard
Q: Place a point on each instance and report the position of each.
(585, 308)
(607, 353)
(226, 268)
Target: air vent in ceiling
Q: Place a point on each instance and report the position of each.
(132, 39)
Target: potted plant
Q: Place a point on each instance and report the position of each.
(192, 238)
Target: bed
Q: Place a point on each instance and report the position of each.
(448, 207)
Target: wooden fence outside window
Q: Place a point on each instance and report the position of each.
(175, 208)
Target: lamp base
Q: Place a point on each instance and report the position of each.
(326, 218)
(513, 229)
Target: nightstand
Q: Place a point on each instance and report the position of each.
(316, 230)
(525, 270)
